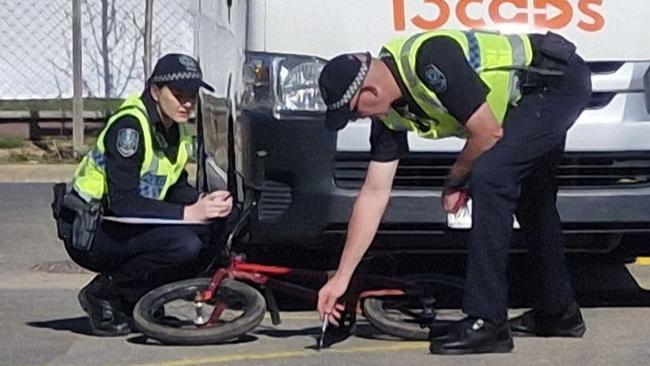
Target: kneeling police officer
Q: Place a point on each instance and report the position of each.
(137, 169)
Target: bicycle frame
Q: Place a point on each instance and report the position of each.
(277, 278)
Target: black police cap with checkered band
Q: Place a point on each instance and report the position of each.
(179, 71)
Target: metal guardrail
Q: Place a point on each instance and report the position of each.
(62, 116)
(41, 122)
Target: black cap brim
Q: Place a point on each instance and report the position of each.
(190, 86)
(337, 119)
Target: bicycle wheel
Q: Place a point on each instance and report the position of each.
(414, 318)
(168, 313)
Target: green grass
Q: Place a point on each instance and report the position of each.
(48, 150)
(10, 142)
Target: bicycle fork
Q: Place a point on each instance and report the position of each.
(200, 316)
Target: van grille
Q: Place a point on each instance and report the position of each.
(427, 171)
(275, 199)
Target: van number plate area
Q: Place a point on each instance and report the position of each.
(462, 220)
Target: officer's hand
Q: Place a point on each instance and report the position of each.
(454, 200)
(221, 203)
(328, 296)
(214, 204)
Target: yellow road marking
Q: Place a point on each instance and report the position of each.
(643, 261)
(395, 347)
(284, 316)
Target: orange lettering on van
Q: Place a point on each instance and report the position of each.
(464, 19)
(496, 16)
(442, 18)
(399, 17)
(560, 21)
(597, 18)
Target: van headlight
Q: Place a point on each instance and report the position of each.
(287, 84)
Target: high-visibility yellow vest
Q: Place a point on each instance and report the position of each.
(493, 56)
(157, 172)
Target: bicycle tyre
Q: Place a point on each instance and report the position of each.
(253, 303)
(375, 308)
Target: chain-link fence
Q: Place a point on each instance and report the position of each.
(36, 44)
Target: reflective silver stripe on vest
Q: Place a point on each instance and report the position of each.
(519, 60)
(84, 196)
(518, 50)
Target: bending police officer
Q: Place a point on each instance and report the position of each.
(137, 169)
(513, 97)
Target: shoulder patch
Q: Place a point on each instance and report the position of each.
(127, 141)
(435, 79)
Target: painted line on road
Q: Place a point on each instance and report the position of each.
(395, 347)
(284, 316)
(642, 261)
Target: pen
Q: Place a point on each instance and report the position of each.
(322, 331)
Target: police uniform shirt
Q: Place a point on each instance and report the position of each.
(441, 66)
(124, 161)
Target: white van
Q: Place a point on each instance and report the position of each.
(264, 125)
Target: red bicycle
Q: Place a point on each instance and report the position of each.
(234, 300)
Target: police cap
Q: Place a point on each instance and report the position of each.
(340, 80)
(179, 71)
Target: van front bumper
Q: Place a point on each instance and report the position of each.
(305, 190)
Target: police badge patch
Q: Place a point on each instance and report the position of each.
(127, 142)
(188, 63)
(435, 79)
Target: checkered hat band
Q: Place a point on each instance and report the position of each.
(352, 89)
(184, 75)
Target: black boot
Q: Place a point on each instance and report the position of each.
(567, 323)
(103, 308)
(475, 335)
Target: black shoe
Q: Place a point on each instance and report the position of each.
(475, 335)
(568, 323)
(103, 312)
(441, 329)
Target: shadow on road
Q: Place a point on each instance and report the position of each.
(597, 282)
(78, 325)
(146, 341)
(286, 333)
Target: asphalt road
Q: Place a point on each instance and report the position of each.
(42, 324)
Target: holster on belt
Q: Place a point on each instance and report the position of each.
(552, 55)
(86, 221)
(62, 215)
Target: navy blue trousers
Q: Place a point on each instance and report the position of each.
(139, 258)
(518, 176)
